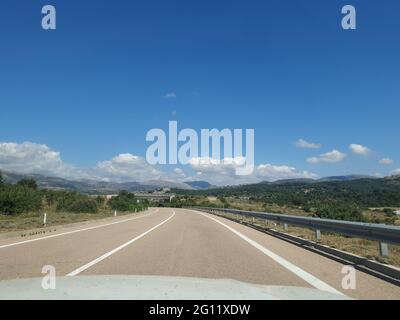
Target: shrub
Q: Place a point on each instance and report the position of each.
(16, 199)
(340, 212)
(84, 206)
(72, 201)
(389, 212)
(28, 183)
(125, 201)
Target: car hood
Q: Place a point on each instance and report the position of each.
(154, 288)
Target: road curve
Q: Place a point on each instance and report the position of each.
(181, 242)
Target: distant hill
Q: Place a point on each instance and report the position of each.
(284, 181)
(84, 186)
(346, 178)
(325, 179)
(199, 184)
(331, 192)
(102, 187)
(395, 177)
(167, 184)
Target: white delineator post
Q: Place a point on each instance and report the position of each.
(45, 219)
(115, 213)
(383, 249)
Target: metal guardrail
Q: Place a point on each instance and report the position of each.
(379, 232)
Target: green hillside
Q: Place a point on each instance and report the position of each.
(336, 199)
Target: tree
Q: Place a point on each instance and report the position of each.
(389, 212)
(84, 206)
(28, 183)
(1, 178)
(125, 201)
(15, 199)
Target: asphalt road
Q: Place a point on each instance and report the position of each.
(180, 242)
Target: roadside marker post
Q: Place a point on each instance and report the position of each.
(45, 219)
(115, 213)
(383, 249)
(318, 235)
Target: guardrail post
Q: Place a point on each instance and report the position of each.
(383, 249)
(285, 226)
(318, 235)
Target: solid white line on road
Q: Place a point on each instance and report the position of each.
(75, 231)
(110, 253)
(315, 282)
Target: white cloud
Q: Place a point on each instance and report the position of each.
(36, 158)
(127, 167)
(301, 143)
(216, 165)
(30, 157)
(270, 172)
(178, 171)
(170, 95)
(378, 175)
(223, 172)
(386, 161)
(219, 172)
(329, 157)
(359, 149)
(177, 175)
(395, 172)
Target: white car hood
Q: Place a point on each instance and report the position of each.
(154, 288)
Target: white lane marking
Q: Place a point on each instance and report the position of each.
(315, 282)
(110, 253)
(75, 231)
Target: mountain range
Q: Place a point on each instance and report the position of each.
(107, 187)
(103, 187)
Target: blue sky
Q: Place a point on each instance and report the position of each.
(91, 89)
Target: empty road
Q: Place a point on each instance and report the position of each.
(180, 242)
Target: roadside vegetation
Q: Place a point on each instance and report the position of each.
(22, 205)
(363, 200)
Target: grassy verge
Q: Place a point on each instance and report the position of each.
(35, 220)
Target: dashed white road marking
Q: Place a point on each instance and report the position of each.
(75, 231)
(110, 253)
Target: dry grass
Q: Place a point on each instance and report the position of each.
(35, 220)
(272, 208)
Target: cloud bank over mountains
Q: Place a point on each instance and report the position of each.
(29, 157)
